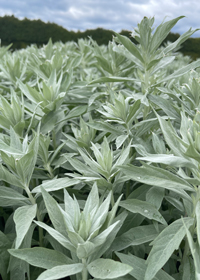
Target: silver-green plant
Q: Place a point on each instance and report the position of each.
(86, 234)
(79, 121)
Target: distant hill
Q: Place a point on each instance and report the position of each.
(22, 33)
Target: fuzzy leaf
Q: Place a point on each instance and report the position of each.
(120, 140)
(10, 197)
(108, 269)
(23, 218)
(168, 160)
(40, 257)
(56, 184)
(64, 241)
(55, 214)
(164, 245)
(136, 236)
(180, 72)
(157, 177)
(171, 137)
(139, 268)
(161, 33)
(144, 208)
(92, 202)
(61, 271)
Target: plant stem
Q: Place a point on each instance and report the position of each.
(32, 199)
(40, 230)
(49, 169)
(186, 253)
(54, 139)
(112, 199)
(84, 271)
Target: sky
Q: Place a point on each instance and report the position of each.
(116, 15)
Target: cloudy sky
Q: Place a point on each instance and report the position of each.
(109, 14)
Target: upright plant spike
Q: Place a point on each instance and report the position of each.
(147, 55)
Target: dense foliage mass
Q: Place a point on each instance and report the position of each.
(100, 160)
(23, 33)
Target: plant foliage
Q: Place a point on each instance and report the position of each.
(99, 159)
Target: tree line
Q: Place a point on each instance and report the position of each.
(22, 33)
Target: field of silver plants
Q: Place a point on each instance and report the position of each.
(100, 159)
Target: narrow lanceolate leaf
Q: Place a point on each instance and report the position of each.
(182, 71)
(171, 137)
(8, 177)
(106, 127)
(162, 64)
(168, 160)
(167, 106)
(165, 244)
(123, 157)
(10, 197)
(56, 184)
(130, 46)
(110, 238)
(75, 112)
(54, 212)
(108, 269)
(136, 236)
(40, 257)
(9, 150)
(179, 41)
(155, 176)
(102, 237)
(92, 202)
(139, 268)
(34, 145)
(61, 271)
(144, 208)
(120, 140)
(63, 240)
(161, 33)
(112, 80)
(23, 218)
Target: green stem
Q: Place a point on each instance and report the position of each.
(54, 139)
(112, 199)
(146, 112)
(32, 199)
(49, 169)
(185, 255)
(40, 230)
(84, 271)
(146, 81)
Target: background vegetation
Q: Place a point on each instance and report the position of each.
(22, 33)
